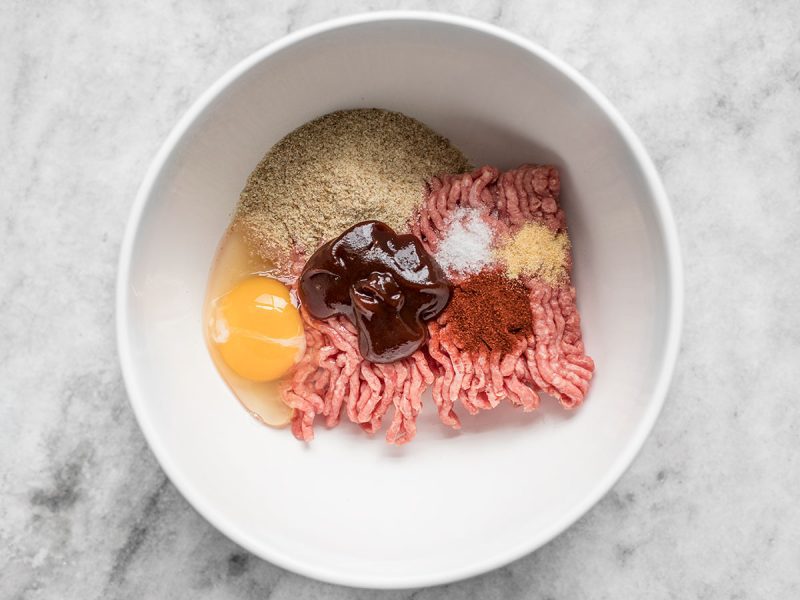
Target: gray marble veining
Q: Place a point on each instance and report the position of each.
(710, 507)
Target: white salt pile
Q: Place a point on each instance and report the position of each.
(466, 247)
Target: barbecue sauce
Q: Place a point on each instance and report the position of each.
(386, 284)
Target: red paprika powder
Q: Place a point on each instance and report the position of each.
(489, 311)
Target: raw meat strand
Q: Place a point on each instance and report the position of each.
(515, 215)
(434, 186)
(527, 397)
(435, 215)
(408, 406)
(469, 372)
(432, 223)
(476, 198)
(509, 360)
(395, 375)
(440, 398)
(527, 183)
(522, 193)
(496, 377)
(420, 226)
(445, 199)
(487, 198)
(368, 402)
(339, 390)
(328, 378)
(363, 393)
(371, 414)
(303, 425)
(583, 362)
(420, 358)
(454, 197)
(454, 388)
(501, 202)
(517, 391)
(411, 404)
(480, 382)
(471, 402)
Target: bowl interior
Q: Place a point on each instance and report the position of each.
(346, 508)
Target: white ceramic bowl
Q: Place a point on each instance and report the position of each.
(346, 508)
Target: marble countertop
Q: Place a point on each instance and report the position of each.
(710, 507)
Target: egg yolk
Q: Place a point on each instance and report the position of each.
(257, 329)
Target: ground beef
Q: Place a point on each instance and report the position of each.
(332, 376)
(552, 359)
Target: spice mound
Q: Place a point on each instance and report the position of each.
(338, 170)
(489, 312)
(386, 285)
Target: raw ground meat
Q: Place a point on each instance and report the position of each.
(551, 360)
(332, 377)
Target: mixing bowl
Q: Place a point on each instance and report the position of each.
(350, 509)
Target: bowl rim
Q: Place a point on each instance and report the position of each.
(262, 548)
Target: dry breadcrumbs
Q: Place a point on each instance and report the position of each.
(333, 172)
